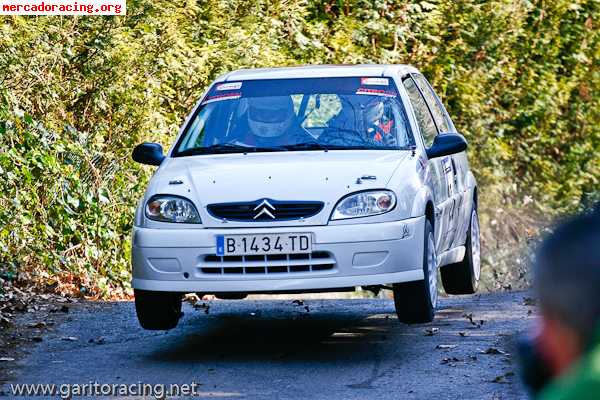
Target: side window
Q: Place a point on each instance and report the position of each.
(434, 104)
(424, 118)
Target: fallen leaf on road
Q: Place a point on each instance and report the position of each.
(191, 298)
(448, 360)
(431, 331)
(69, 338)
(63, 309)
(529, 301)
(446, 346)
(493, 350)
(502, 378)
(98, 340)
(37, 325)
(473, 322)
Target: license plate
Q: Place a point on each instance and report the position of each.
(243, 245)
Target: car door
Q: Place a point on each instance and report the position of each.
(452, 164)
(429, 131)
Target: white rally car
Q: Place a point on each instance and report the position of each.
(308, 179)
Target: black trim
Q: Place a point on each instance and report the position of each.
(311, 208)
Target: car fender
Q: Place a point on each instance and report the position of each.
(422, 196)
(470, 186)
(469, 203)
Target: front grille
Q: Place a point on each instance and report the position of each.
(317, 261)
(265, 210)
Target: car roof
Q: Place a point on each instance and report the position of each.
(318, 71)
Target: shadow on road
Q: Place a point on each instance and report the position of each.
(271, 335)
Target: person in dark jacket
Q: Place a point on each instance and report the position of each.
(562, 361)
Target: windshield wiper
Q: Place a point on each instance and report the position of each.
(306, 146)
(227, 148)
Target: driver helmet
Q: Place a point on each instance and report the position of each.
(369, 109)
(270, 117)
(373, 111)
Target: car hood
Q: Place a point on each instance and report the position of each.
(301, 176)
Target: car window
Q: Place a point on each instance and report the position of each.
(435, 106)
(424, 118)
(296, 115)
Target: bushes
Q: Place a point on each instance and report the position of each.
(521, 79)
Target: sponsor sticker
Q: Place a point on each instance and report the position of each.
(375, 92)
(230, 86)
(220, 97)
(375, 81)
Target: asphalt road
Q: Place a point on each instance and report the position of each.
(277, 349)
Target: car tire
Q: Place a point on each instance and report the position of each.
(463, 277)
(415, 301)
(157, 311)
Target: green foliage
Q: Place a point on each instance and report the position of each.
(520, 78)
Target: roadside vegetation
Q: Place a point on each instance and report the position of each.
(521, 79)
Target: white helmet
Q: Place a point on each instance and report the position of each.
(270, 116)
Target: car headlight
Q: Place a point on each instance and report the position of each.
(364, 204)
(167, 208)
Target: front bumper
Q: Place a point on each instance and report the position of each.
(360, 254)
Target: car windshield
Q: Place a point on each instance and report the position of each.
(298, 114)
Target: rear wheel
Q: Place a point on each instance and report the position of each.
(463, 277)
(157, 310)
(415, 302)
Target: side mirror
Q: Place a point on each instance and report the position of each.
(148, 153)
(447, 144)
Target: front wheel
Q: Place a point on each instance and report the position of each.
(157, 311)
(415, 302)
(463, 277)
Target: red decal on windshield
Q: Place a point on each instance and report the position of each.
(224, 96)
(375, 92)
